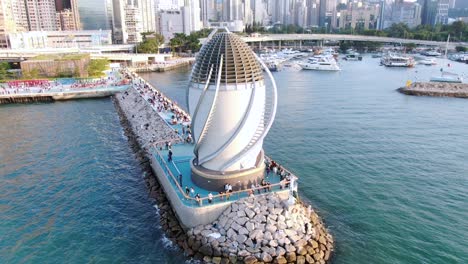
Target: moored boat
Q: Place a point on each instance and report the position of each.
(447, 77)
(393, 60)
(320, 63)
(354, 56)
(428, 61)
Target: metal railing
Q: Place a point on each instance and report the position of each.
(217, 198)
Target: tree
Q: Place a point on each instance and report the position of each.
(410, 46)
(181, 42)
(4, 74)
(97, 67)
(150, 43)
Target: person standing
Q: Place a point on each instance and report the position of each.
(169, 158)
(210, 198)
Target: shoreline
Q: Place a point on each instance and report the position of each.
(309, 243)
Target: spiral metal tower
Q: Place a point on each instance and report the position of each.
(232, 110)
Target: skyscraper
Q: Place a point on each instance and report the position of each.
(322, 13)
(232, 10)
(434, 12)
(95, 14)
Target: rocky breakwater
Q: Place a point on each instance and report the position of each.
(142, 125)
(436, 89)
(262, 229)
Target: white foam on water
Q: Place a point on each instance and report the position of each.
(167, 243)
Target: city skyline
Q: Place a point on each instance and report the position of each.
(128, 19)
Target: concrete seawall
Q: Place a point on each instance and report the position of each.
(459, 90)
(272, 230)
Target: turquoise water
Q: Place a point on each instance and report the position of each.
(388, 172)
(71, 190)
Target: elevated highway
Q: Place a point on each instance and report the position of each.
(340, 37)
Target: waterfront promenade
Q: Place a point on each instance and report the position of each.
(20, 91)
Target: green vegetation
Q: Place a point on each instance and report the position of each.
(360, 45)
(461, 49)
(61, 57)
(97, 67)
(4, 74)
(183, 43)
(33, 74)
(151, 42)
(458, 31)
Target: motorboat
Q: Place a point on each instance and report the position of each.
(447, 77)
(428, 62)
(393, 60)
(354, 56)
(377, 55)
(320, 63)
(431, 53)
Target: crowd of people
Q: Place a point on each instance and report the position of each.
(161, 103)
(43, 85)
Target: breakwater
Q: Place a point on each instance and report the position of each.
(134, 115)
(436, 89)
(260, 228)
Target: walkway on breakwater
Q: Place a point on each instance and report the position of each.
(28, 91)
(178, 170)
(165, 66)
(436, 89)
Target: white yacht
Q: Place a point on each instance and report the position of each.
(428, 61)
(447, 77)
(392, 60)
(320, 63)
(432, 53)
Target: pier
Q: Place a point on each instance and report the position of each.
(459, 90)
(210, 231)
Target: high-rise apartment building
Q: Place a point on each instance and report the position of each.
(41, 15)
(66, 20)
(148, 15)
(232, 10)
(406, 12)
(68, 17)
(133, 22)
(359, 17)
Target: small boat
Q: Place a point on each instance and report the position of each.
(320, 63)
(354, 56)
(428, 61)
(392, 60)
(377, 55)
(447, 77)
(272, 66)
(431, 53)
